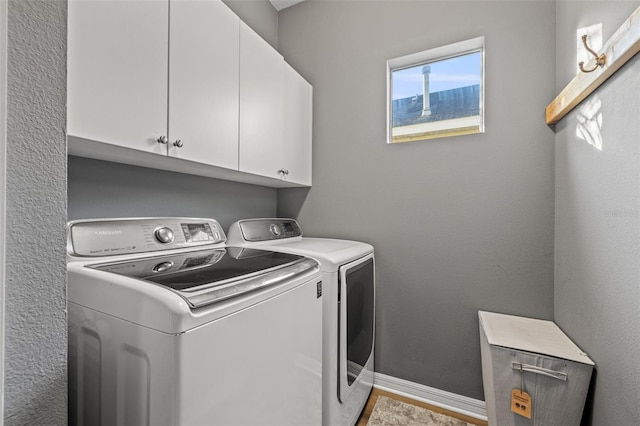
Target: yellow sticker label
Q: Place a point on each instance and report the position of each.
(521, 403)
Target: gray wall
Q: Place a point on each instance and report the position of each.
(597, 227)
(102, 189)
(459, 224)
(260, 15)
(35, 389)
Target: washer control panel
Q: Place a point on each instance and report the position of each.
(255, 230)
(110, 237)
(163, 235)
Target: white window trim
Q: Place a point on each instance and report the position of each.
(431, 55)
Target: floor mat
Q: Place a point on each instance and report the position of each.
(389, 412)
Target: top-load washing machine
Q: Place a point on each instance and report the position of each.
(348, 309)
(169, 326)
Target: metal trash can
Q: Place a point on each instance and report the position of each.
(532, 373)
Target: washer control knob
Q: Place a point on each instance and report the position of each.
(163, 235)
(275, 229)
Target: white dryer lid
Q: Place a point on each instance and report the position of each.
(331, 253)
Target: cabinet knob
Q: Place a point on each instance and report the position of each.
(283, 172)
(162, 139)
(178, 143)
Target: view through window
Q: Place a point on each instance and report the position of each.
(436, 93)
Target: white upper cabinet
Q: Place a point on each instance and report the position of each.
(297, 132)
(261, 105)
(203, 82)
(141, 72)
(117, 72)
(185, 86)
(275, 113)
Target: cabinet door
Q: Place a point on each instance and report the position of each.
(298, 112)
(261, 105)
(203, 82)
(117, 72)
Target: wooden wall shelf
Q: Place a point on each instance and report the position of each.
(619, 49)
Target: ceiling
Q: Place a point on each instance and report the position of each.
(282, 4)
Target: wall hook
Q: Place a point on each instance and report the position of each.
(601, 59)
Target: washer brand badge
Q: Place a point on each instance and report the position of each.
(105, 233)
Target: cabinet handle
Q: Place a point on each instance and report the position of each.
(178, 143)
(162, 140)
(560, 375)
(283, 172)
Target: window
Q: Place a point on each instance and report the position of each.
(436, 93)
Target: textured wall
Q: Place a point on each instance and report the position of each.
(459, 224)
(597, 226)
(35, 289)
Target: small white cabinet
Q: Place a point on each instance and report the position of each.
(297, 131)
(203, 82)
(275, 113)
(117, 72)
(261, 104)
(184, 85)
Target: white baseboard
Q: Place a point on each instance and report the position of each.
(443, 399)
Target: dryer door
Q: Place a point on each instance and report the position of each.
(356, 324)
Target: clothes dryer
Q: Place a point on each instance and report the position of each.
(169, 326)
(348, 271)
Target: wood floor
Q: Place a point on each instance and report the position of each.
(371, 402)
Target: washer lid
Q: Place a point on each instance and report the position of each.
(330, 252)
(207, 276)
